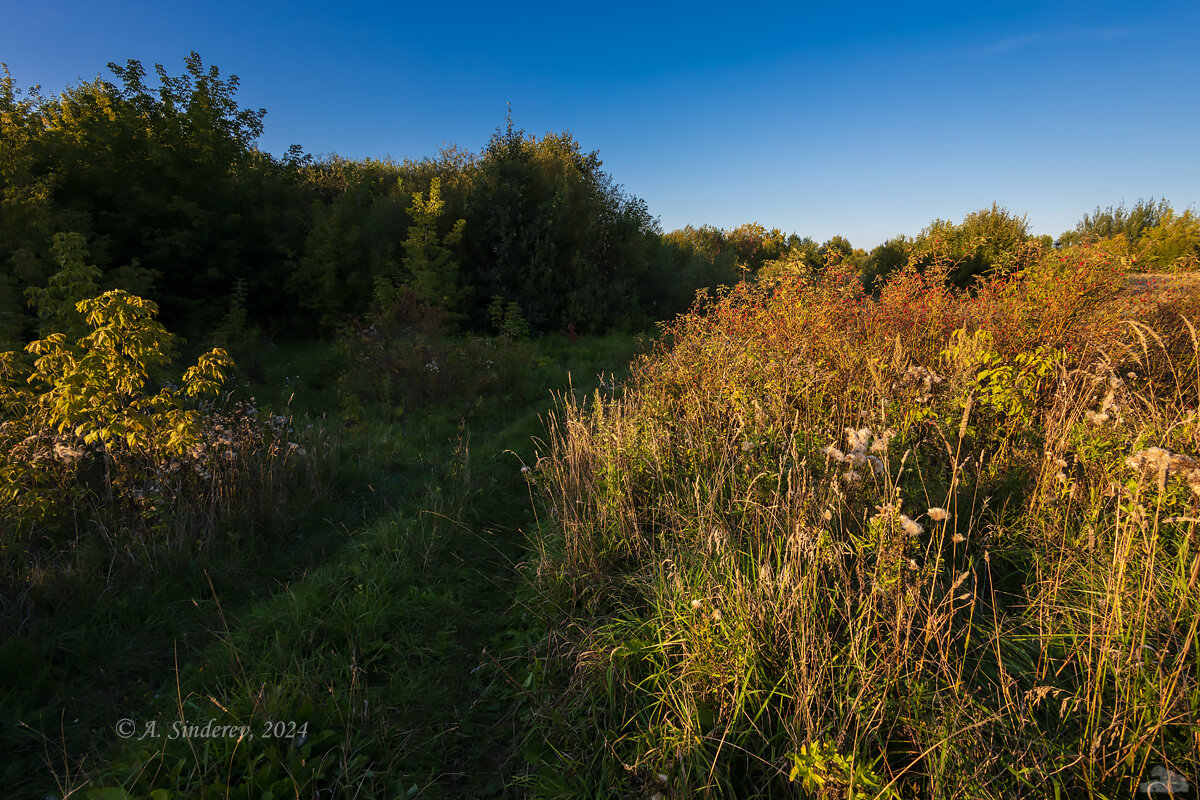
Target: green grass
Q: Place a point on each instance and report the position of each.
(367, 619)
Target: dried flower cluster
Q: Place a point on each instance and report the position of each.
(1164, 464)
(863, 447)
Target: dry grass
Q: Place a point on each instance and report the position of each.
(885, 547)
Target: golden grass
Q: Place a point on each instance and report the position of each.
(886, 547)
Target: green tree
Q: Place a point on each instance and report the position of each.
(1172, 245)
(986, 240)
(1155, 237)
(76, 280)
(1130, 223)
(885, 260)
(95, 387)
(26, 206)
(428, 257)
(753, 245)
(334, 275)
(91, 398)
(165, 180)
(683, 262)
(836, 250)
(804, 256)
(550, 231)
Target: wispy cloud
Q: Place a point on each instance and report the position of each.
(1033, 39)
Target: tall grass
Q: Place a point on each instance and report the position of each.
(913, 545)
(360, 629)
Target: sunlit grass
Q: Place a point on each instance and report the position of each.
(882, 547)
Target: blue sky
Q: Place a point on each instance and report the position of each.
(866, 120)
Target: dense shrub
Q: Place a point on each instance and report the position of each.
(97, 458)
(1152, 236)
(403, 356)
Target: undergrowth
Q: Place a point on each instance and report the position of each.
(331, 595)
(936, 543)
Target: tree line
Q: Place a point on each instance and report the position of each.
(169, 197)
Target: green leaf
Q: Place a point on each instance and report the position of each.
(115, 793)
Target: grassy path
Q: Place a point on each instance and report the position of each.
(366, 638)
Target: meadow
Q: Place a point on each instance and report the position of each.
(809, 542)
(339, 586)
(459, 477)
(934, 543)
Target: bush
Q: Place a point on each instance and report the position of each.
(94, 460)
(402, 355)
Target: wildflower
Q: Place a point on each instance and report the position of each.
(958, 538)
(938, 514)
(1150, 457)
(911, 526)
(1167, 463)
(887, 509)
(880, 445)
(851, 476)
(747, 446)
(924, 377)
(696, 604)
(834, 453)
(526, 470)
(716, 615)
(827, 515)
(858, 439)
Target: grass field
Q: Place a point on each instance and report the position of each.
(810, 543)
(352, 623)
(931, 544)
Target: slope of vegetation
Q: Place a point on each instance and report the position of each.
(932, 544)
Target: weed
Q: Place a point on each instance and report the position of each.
(882, 547)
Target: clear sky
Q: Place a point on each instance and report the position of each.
(865, 120)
